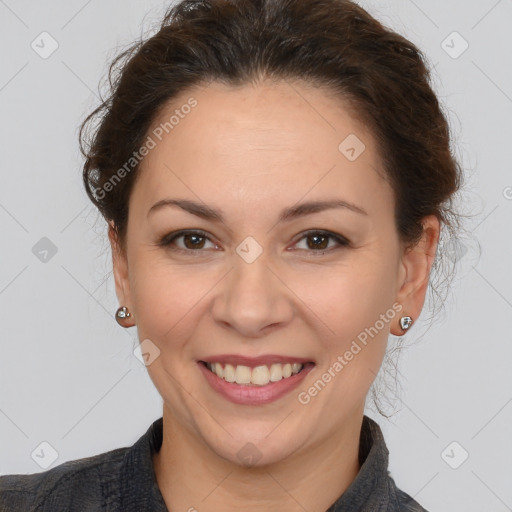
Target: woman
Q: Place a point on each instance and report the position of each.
(276, 176)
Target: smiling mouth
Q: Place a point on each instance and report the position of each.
(257, 376)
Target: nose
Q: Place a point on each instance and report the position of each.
(253, 299)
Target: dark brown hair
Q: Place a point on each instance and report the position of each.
(328, 43)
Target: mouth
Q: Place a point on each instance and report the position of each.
(256, 375)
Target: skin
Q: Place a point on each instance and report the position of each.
(252, 151)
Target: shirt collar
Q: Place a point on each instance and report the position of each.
(370, 490)
(139, 488)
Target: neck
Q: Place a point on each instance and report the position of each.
(192, 477)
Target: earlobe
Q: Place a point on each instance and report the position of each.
(416, 264)
(120, 271)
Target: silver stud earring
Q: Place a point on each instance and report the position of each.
(121, 314)
(405, 322)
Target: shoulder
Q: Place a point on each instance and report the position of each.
(81, 482)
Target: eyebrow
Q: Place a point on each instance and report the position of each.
(208, 213)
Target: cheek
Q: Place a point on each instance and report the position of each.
(168, 298)
(350, 298)
(356, 305)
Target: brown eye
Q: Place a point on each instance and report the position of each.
(318, 241)
(193, 241)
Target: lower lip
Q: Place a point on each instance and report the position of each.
(252, 394)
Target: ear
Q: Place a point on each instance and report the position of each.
(415, 266)
(120, 271)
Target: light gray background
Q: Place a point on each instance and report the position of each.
(68, 375)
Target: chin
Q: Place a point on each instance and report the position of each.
(256, 451)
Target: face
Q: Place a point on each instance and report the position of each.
(256, 278)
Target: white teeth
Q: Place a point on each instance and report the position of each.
(217, 368)
(229, 373)
(259, 376)
(242, 375)
(276, 372)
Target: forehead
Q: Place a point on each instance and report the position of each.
(258, 144)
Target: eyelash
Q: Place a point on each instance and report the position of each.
(171, 237)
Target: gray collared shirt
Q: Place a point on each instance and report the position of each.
(124, 480)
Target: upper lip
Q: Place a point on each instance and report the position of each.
(252, 362)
